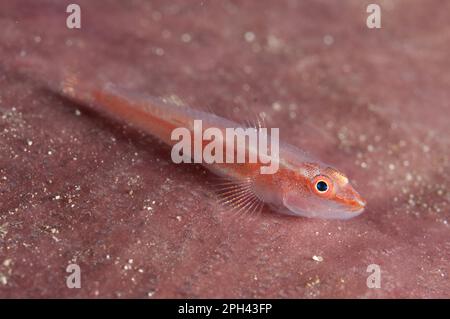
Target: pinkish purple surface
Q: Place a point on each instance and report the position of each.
(76, 187)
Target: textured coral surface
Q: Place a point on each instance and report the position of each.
(77, 187)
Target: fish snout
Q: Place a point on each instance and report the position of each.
(352, 199)
(358, 203)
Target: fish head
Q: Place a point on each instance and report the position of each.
(322, 192)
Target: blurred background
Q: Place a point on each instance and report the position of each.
(79, 188)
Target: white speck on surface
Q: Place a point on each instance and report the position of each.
(317, 258)
(328, 39)
(249, 36)
(7, 262)
(77, 112)
(391, 166)
(276, 106)
(127, 267)
(159, 51)
(186, 37)
(313, 282)
(273, 42)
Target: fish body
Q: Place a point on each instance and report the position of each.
(301, 186)
(291, 190)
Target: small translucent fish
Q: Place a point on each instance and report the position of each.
(302, 186)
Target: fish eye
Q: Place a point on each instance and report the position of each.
(321, 186)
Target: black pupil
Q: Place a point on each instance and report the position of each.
(322, 186)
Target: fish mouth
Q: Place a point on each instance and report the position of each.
(352, 201)
(358, 205)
